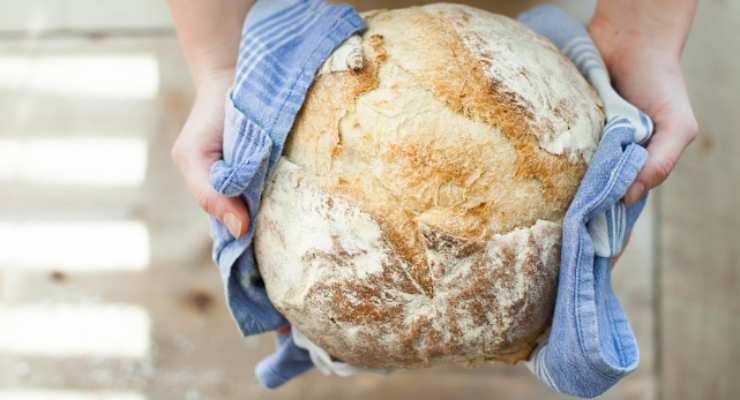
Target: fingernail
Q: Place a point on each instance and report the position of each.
(233, 225)
(635, 193)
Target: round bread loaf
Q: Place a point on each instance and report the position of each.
(415, 214)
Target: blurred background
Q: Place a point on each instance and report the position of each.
(107, 289)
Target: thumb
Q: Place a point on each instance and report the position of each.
(231, 211)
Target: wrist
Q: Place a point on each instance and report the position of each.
(211, 61)
(627, 46)
(661, 26)
(214, 79)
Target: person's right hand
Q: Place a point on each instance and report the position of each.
(200, 144)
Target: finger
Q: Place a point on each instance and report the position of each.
(664, 150)
(231, 211)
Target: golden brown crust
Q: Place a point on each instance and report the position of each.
(483, 98)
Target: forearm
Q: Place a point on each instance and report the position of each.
(209, 32)
(665, 22)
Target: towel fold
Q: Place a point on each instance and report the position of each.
(590, 345)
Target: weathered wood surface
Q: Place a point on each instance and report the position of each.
(699, 223)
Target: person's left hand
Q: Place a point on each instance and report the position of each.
(649, 75)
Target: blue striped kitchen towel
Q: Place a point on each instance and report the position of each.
(284, 42)
(590, 345)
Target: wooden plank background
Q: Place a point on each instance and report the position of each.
(699, 223)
